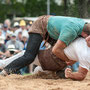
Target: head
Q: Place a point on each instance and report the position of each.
(7, 22)
(24, 37)
(13, 37)
(11, 49)
(29, 25)
(22, 24)
(5, 27)
(16, 25)
(86, 30)
(19, 36)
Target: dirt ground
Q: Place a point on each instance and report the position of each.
(42, 82)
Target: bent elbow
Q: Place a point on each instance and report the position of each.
(81, 78)
(57, 50)
(54, 51)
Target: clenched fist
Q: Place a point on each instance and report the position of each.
(68, 72)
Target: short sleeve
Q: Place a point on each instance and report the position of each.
(67, 36)
(84, 64)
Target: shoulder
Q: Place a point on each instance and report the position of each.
(8, 42)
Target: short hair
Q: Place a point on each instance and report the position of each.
(87, 29)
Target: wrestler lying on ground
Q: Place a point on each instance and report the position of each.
(76, 51)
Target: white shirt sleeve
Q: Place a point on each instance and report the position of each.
(70, 51)
(84, 64)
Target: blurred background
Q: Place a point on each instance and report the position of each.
(34, 8)
(17, 16)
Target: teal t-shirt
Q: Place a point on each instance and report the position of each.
(65, 29)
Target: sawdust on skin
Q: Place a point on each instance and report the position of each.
(42, 82)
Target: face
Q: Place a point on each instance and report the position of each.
(23, 27)
(5, 29)
(13, 38)
(84, 34)
(28, 27)
(15, 28)
(24, 39)
(20, 35)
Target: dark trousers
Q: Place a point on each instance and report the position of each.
(29, 56)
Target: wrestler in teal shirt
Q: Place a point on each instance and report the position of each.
(65, 29)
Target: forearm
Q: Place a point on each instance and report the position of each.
(60, 53)
(76, 76)
(80, 75)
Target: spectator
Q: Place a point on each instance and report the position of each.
(15, 42)
(8, 37)
(29, 25)
(1, 34)
(8, 23)
(19, 37)
(16, 25)
(2, 48)
(12, 50)
(16, 28)
(5, 31)
(23, 27)
(24, 40)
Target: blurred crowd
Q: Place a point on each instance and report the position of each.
(13, 37)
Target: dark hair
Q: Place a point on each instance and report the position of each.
(86, 29)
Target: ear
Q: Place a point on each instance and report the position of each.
(84, 34)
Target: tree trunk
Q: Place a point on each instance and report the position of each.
(82, 7)
(65, 7)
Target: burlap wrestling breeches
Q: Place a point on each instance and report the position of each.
(40, 25)
(49, 61)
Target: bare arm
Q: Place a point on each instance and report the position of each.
(80, 75)
(58, 50)
(88, 40)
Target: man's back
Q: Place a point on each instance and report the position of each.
(60, 27)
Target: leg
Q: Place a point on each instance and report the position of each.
(37, 69)
(28, 57)
(4, 63)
